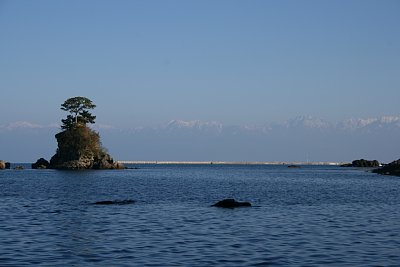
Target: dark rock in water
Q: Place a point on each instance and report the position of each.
(8, 165)
(19, 168)
(40, 164)
(362, 163)
(294, 166)
(115, 202)
(392, 168)
(231, 203)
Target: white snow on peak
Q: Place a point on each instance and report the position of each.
(23, 124)
(390, 119)
(362, 123)
(307, 121)
(194, 124)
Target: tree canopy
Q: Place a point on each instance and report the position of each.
(78, 107)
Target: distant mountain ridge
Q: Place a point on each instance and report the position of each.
(305, 122)
(385, 121)
(195, 125)
(299, 139)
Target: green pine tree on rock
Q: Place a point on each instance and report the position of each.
(79, 147)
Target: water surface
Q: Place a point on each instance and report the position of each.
(312, 216)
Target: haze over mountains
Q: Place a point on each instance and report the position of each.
(298, 122)
(303, 138)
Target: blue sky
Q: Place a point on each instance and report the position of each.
(238, 62)
(145, 62)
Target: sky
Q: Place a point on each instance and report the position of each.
(146, 63)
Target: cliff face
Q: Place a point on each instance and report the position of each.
(80, 148)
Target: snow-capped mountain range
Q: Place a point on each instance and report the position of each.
(300, 122)
(301, 138)
(195, 124)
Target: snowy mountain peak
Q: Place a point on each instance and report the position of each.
(369, 122)
(390, 119)
(308, 122)
(194, 125)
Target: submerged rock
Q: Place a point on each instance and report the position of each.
(231, 203)
(115, 202)
(131, 168)
(294, 166)
(19, 167)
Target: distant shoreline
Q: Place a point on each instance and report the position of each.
(230, 162)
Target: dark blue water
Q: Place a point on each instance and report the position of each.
(313, 216)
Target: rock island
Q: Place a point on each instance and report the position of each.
(79, 146)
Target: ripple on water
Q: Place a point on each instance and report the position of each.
(307, 217)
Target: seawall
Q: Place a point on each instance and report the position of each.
(230, 162)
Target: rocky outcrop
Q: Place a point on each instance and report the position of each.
(86, 162)
(83, 162)
(80, 148)
(40, 164)
(107, 162)
(392, 168)
(231, 203)
(363, 163)
(7, 165)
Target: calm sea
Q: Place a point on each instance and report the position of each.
(312, 216)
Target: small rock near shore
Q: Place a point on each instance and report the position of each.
(392, 168)
(40, 164)
(362, 163)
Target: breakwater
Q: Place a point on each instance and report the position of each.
(230, 162)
